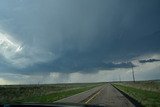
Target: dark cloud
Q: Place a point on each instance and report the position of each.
(149, 60)
(69, 66)
(84, 36)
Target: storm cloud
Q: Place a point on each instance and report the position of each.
(76, 35)
(149, 60)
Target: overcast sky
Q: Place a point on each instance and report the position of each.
(55, 41)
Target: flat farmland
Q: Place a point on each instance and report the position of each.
(145, 92)
(41, 93)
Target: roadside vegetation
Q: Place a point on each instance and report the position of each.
(145, 85)
(147, 93)
(40, 93)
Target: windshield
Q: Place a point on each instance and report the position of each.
(80, 51)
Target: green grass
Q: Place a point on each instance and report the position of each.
(40, 93)
(54, 96)
(145, 85)
(145, 97)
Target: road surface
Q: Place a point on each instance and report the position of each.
(78, 98)
(105, 95)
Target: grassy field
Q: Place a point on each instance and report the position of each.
(40, 93)
(145, 85)
(147, 93)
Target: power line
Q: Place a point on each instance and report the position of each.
(119, 78)
(133, 74)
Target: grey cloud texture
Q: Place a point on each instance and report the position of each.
(78, 35)
(149, 60)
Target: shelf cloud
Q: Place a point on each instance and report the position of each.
(149, 60)
(44, 37)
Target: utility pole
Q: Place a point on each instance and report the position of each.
(133, 74)
(119, 78)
